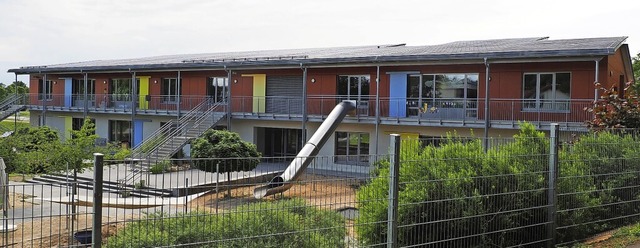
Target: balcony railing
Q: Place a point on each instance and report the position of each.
(391, 109)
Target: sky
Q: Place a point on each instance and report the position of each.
(44, 32)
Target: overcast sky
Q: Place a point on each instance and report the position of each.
(42, 32)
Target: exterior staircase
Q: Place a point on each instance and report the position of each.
(124, 190)
(173, 135)
(11, 105)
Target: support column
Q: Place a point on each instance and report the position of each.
(304, 105)
(229, 82)
(23, 101)
(595, 82)
(86, 96)
(133, 108)
(487, 123)
(178, 86)
(44, 100)
(377, 108)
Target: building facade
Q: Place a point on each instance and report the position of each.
(277, 99)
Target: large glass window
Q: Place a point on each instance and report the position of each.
(45, 89)
(121, 89)
(355, 88)
(352, 148)
(78, 88)
(120, 131)
(216, 88)
(170, 90)
(546, 91)
(430, 92)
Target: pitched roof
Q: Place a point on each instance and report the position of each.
(516, 48)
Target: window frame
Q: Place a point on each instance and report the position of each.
(112, 136)
(361, 159)
(537, 101)
(45, 90)
(216, 97)
(166, 93)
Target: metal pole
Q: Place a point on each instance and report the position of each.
(133, 109)
(178, 85)
(85, 97)
(595, 82)
(553, 176)
(97, 200)
(228, 100)
(15, 117)
(44, 100)
(392, 211)
(377, 108)
(304, 104)
(487, 124)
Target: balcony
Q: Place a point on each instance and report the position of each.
(505, 113)
(113, 103)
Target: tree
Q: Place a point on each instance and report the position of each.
(7, 90)
(614, 111)
(231, 153)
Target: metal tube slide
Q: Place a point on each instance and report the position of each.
(306, 155)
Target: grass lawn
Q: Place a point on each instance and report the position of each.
(9, 124)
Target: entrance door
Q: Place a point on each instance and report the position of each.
(280, 142)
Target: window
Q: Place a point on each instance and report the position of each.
(434, 91)
(120, 131)
(352, 148)
(121, 89)
(170, 90)
(216, 88)
(45, 89)
(77, 88)
(355, 88)
(546, 91)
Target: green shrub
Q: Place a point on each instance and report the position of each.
(160, 167)
(288, 223)
(230, 151)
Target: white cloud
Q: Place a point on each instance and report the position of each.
(38, 32)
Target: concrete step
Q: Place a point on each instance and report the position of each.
(108, 186)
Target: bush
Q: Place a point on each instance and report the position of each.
(231, 153)
(160, 167)
(288, 223)
(457, 190)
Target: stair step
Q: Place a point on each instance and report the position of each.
(107, 185)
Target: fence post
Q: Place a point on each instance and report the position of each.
(553, 177)
(97, 200)
(394, 168)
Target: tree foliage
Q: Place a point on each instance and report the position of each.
(231, 153)
(615, 111)
(18, 86)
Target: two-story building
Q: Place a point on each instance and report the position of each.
(277, 98)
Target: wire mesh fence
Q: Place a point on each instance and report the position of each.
(525, 191)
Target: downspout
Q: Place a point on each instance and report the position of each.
(86, 99)
(595, 82)
(178, 91)
(487, 124)
(304, 103)
(377, 107)
(44, 100)
(229, 72)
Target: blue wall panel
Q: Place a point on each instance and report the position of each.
(398, 95)
(67, 92)
(137, 132)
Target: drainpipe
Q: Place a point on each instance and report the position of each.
(178, 86)
(377, 107)
(86, 100)
(304, 103)
(44, 100)
(595, 82)
(229, 82)
(487, 124)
